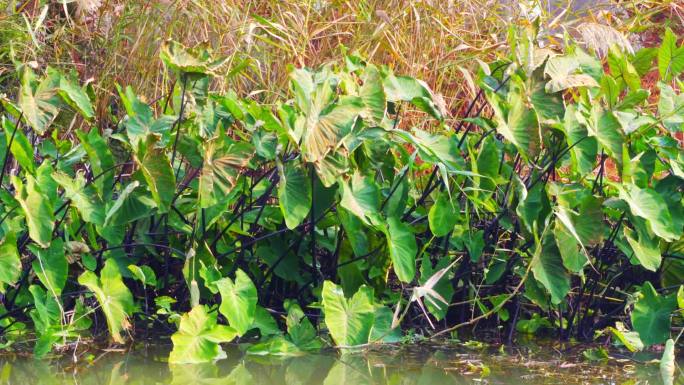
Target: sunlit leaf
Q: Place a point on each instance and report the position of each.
(348, 320)
(83, 197)
(10, 262)
(648, 204)
(516, 121)
(38, 100)
(194, 61)
(667, 363)
(373, 95)
(101, 161)
(76, 97)
(198, 337)
(37, 208)
(116, 301)
(222, 163)
(670, 57)
(238, 301)
(361, 197)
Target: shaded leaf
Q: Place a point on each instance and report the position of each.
(548, 269)
(442, 216)
(651, 315)
(51, 266)
(294, 193)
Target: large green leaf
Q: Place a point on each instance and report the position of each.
(348, 320)
(574, 258)
(605, 127)
(565, 72)
(515, 121)
(372, 94)
(325, 127)
(299, 329)
(442, 216)
(238, 301)
(131, 204)
(533, 206)
(222, 162)
(648, 204)
(487, 165)
(51, 266)
(294, 193)
(671, 108)
(630, 339)
(275, 346)
(10, 262)
(548, 269)
(158, 173)
(38, 100)
(196, 61)
(622, 69)
(101, 161)
(670, 57)
(46, 316)
(322, 120)
(38, 210)
(116, 301)
(21, 148)
(408, 89)
(198, 337)
(361, 197)
(76, 97)
(576, 231)
(140, 121)
(646, 248)
(84, 197)
(402, 247)
(651, 315)
(582, 148)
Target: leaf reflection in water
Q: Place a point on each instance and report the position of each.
(422, 365)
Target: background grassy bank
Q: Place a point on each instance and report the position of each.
(113, 41)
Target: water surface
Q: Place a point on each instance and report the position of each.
(420, 365)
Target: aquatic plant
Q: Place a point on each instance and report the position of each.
(555, 202)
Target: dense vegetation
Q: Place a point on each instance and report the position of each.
(349, 212)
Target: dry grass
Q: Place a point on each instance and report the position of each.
(112, 41)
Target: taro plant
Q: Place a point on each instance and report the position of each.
(355, 208)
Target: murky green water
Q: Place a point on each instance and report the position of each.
(424, 365)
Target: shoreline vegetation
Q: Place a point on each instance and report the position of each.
(299, 184)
